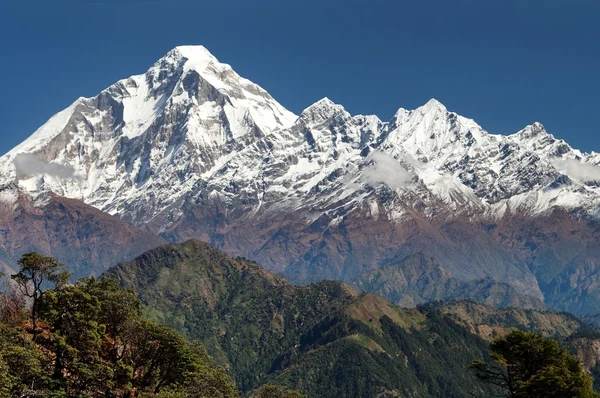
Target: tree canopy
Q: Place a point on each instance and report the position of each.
(35, 272)
(92, 341)
(530, 365)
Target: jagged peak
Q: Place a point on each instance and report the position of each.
(537, 127)
(321, 111)
(196, 54)
(535, 130)
(432, 105)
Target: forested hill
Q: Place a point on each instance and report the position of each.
(90, 339)
(324, 339)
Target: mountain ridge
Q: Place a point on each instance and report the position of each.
(326, 339)
(192, 150)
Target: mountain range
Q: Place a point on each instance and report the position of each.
(425, 206)
(325, 339)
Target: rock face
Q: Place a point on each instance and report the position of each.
(192, 150)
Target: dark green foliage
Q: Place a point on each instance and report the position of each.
(162, 359)
(94, 342)
(595, 373)
(7, 380)
(75, 338)
(319, 339)
(529, 365)
(397, 361)
(35, 273)
(27, 367)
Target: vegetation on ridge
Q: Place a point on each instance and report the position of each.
(324, 339)
(527, 365)
(274, 339)
(90, 339)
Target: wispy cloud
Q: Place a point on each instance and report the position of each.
(577, 170)
(387, 170)
(28, 164)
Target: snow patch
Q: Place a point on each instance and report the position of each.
(9, 196)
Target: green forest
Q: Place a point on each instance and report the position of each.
(89, 339)
(189, 321)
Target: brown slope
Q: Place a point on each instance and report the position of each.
(305, 252)
(489, 322)
(553, 257)
(562, 250)
(86, 239)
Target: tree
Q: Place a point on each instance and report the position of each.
(529, 365)
(24, 361)
(6, 379)
(100, 345)
(94, 342)
(12, 303)
(75, 338)
(163, 360)
(37, 271)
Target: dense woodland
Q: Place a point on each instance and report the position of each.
(265, 337)
(324, 339)
(90, 339)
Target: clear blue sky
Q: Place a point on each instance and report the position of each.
(503, 63)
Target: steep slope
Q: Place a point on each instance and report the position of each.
(324, 339)
(81, 236)
(144, 142)
(191, 150)
(266, 330)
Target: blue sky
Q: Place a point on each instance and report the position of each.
(503, 63)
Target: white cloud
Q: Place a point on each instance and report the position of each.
(387, 170)
(577, 170)
(28, 164)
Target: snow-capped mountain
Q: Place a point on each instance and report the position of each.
(192, 125)
(145, 141)
(192, 150)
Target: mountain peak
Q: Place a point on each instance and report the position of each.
(191, 49)
(324, 102)
(322, 110)
(195, 57)
(432, 105)
(196, 54)
(533, 131)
